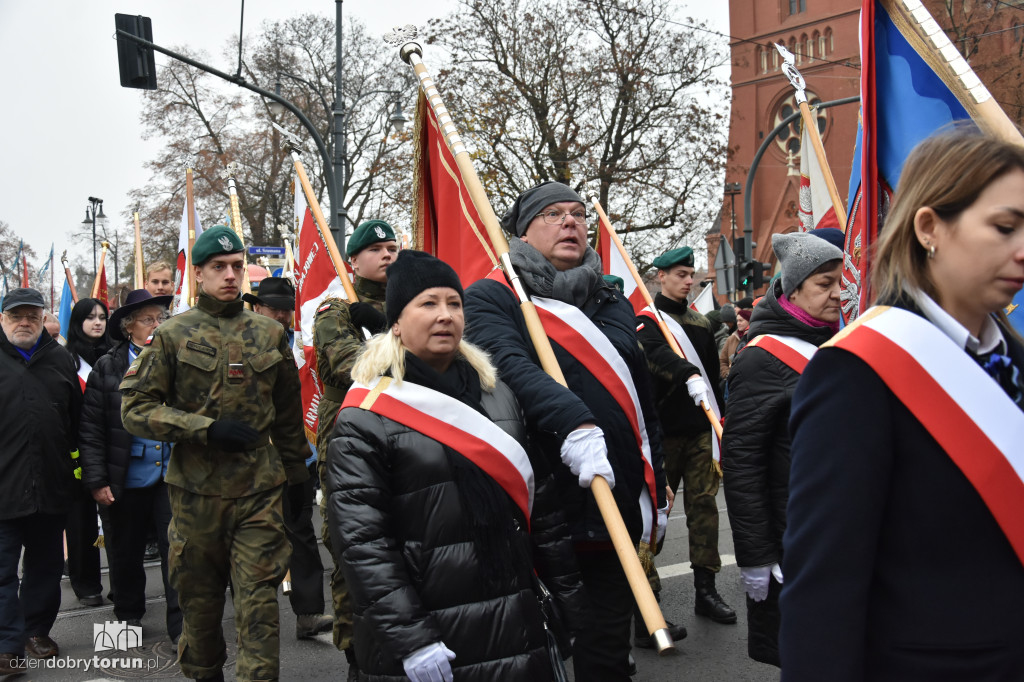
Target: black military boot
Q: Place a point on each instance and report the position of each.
(644, 641)
(707, 601)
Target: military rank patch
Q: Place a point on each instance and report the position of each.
(133, 370)
(207, 350)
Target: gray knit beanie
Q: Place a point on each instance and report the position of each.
(800, 254)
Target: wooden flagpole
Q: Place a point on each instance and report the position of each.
(325, 232)
(236, 222)
(797, 80)
(67, 274)
(140, 274)
(100, 272)
(411, 53)
(662, 325)
(188, 277)
(925, 35)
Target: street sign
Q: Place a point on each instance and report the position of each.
(725, 261)
(266, 250)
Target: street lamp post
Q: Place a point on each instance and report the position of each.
(731, 190)
(92, 215)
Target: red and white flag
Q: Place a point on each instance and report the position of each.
(613, 264)
(183, 280)
(704, 303)
(100, 286)
(315, 280)
(816, 208)
(84, 370)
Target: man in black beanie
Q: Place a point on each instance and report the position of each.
(592, 320)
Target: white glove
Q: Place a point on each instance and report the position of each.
(697, 389)
(755, 580)
(662, 523)
(429, 664)
(586, 454)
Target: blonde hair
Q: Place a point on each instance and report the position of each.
(946, 172)
(159, 266)
(385, 354)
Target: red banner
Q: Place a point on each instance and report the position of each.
(446, 224)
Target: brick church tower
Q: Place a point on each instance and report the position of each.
(823, 35)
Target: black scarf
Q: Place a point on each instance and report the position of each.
(489, 513)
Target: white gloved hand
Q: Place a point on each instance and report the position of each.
(662, 523)
(755, 581)
(429, 664)
(586, 454)
(697, 389)
(777, 573)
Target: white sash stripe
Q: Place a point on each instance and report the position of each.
(974, 391)
(575, 318)
(691, 356)
(463, 418)
(804, 348)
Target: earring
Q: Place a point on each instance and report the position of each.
(931, 250)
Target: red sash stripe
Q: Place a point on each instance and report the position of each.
(480, 452)
(966, 444)
(791, 358)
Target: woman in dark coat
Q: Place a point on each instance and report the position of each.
(903, 551)
(87, 341)
(125, 473)
(438, 546)
(799, 312)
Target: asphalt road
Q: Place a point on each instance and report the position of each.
(711, 652)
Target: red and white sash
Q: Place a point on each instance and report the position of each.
(691, 356)
(84, 370)
(961, 406)
(455, 424)
(793, 352)
(567, 326)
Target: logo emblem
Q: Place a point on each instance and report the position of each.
(225, 242)
(116, 634)
(380, 232)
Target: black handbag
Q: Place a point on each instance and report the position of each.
(558, 639)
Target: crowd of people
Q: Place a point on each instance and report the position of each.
(870, 472)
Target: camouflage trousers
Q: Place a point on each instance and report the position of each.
(688, 460)
(213, 539)
(340, 599)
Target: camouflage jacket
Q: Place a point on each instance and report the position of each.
(337, 342)
(218, 361)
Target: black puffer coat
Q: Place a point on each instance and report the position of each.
(105, 445)
(40, 402)
(755, 457)
(407, 553)
(495, 322)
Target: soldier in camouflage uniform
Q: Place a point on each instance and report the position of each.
(338, 338)
(220, 383)
(687, 432)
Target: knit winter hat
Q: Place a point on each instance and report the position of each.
(412, 273)
(800, 254)
(729, 313)
(534, 200)
(745, 313)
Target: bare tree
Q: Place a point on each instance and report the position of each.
(194, 113)
(609, 94)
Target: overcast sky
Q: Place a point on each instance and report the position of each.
(70, 131)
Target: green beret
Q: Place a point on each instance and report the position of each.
(370, 232)
(616, 282)
(219, 240)
(681, 256)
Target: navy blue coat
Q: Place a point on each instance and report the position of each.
(894, 567)
(495, 322)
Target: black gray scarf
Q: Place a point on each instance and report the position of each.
(574, 286)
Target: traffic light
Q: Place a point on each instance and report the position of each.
(759, 270)
(745, 274)
(135, 62)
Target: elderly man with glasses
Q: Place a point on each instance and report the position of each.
(603, 423)
(40, 401)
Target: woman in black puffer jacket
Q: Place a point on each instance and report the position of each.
(798, 314)
(436, 535)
